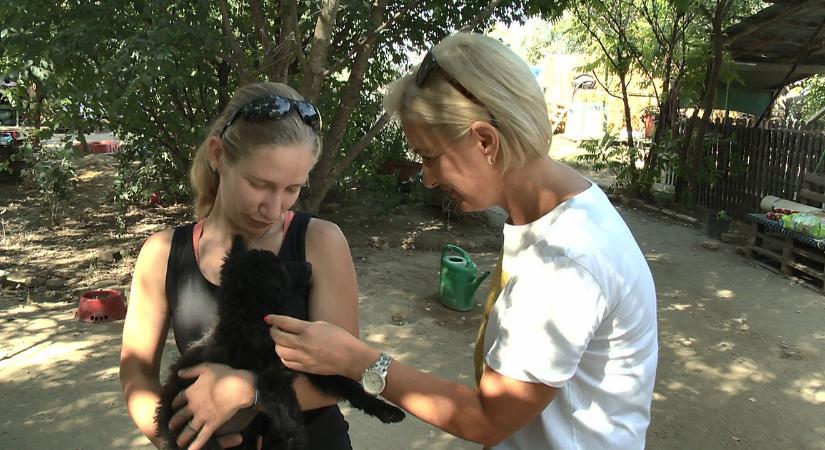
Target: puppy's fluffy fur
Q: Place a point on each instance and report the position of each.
(255, 283)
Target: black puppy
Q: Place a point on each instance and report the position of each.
(255, 283)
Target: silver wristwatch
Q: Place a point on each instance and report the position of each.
(374, 378)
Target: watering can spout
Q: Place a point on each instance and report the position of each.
(479, 279)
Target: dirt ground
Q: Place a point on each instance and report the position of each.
(741, 348)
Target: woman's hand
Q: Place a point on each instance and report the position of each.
(319, 347)
(215, 397)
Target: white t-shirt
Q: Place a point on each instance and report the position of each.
(578, 313)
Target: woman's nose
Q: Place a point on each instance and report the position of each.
(271, 206)
(427, 178)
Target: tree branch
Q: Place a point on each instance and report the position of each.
(360, 145)
(348, 100)
(237, 58)
(321, 41)
(363, 40)
(605, 87)
(595, 36)
(621, 31)
(259, 20)
(482, 15)
(298, 36)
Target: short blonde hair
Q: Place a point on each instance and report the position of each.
(510, 97)
(242, 137)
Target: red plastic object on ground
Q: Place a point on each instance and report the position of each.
(104, 146)
(101, 306)
(98, 146)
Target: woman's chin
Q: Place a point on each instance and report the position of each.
(467, 207)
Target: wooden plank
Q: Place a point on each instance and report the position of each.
(806, 268)
(778, 239)
(773, 142)
(802, 156)
(813, 196)
(765, 252)
(816, 255)
(753, 241)
(792, 172)
(782, 150)
(787, 257)
(766, 159)
(760, 163)
(815, 178)
(785, 154)
(769, 145)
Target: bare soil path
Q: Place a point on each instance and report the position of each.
(742, 361)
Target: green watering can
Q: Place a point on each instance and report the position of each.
(458, 278)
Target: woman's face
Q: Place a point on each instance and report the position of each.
(256, 190)
(460, 167)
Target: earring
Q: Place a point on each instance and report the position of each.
(490, 160)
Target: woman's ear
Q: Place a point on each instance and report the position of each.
(215, 147)
(488, 138)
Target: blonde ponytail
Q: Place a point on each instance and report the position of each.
(204, 182)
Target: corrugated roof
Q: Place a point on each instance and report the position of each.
(789, 34)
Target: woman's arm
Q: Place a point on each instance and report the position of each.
(144, 334)
(333, 295)
(489, 414)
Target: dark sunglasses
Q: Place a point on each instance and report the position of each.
(430, 65)
(276, 107)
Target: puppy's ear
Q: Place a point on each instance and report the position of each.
(238, 246)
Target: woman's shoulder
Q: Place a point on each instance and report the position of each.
(158, 243)
(160, 238)
(324, 232)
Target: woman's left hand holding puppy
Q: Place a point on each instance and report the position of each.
(215, 397)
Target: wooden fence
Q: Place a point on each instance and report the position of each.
(746, 164)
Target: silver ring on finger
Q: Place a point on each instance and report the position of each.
(189, 424)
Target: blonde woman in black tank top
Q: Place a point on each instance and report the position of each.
(247, 175)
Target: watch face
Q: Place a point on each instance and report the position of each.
(373, 383)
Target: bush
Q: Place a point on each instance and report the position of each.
(51, 171)
(142, 171)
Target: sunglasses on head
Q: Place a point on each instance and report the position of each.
(430, 65)
(276, 107)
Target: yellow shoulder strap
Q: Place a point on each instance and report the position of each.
(496, 284)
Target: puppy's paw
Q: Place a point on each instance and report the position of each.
(390, 414)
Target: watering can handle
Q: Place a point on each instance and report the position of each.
(457, 249)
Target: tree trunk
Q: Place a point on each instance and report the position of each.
(262, 31)
(321, 178)
(317, 60)
(328, 170)
(628, 116)
(682, 181)
(359, 146)
(238, 59)
(710, 96)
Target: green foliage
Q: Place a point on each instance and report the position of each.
(635, 169)
(51, 171)
(814, 92)
(143, 171)
(617, 158)
(157, 73)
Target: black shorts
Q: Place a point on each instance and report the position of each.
(327, 429)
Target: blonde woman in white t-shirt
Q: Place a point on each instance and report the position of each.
(567, 351)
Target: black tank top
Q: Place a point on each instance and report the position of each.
(193, 304)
